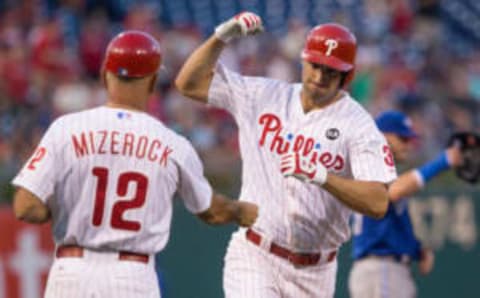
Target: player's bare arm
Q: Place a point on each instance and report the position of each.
(195, 76)
(412, 181)
(27, 207)
(404, 186)
(224, 210)
(367, 197)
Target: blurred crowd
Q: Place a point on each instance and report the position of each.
(51, 53)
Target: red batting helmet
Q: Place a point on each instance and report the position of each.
(133, 54)
(332, 45)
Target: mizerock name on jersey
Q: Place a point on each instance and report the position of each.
(117, 143)
(306, 146)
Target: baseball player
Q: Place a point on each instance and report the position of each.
(310, 155)
(106, 177)
(384, 248)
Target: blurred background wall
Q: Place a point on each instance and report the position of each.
(421, 57)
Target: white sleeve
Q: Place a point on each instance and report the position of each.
(236, 93)
(371, 157)
(194, 188)
(38, 175)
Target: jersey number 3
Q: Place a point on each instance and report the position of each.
(388, 156)
(119, 207)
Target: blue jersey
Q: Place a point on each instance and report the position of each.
(392, 235)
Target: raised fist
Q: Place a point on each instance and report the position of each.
(293, 164)
(245, 23)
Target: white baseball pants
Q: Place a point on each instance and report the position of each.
(255, 273)
(101, 275)
(374, 277)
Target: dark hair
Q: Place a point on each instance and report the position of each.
(343, 78)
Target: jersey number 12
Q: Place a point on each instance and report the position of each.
(123, 181)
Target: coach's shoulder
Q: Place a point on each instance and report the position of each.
(76, 115)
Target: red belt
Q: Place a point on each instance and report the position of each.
(302, 259)
(75, 251)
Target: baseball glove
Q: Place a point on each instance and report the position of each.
(469, 144)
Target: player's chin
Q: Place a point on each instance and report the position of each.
(319, 89)
(323, 96)
(316, 92)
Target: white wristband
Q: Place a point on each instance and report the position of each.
(246, 23)
(226, 31)
(320, 175)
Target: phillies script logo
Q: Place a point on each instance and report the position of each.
(272, 126)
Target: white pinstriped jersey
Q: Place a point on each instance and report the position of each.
(271, 121)
(109, 176)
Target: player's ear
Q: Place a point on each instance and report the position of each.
(103, 78)
(153, 83)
